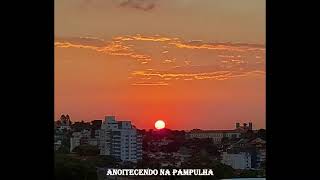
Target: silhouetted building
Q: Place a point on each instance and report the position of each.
(250, 125)
(96, 124)
(237, 125)
(244, 127)
(64, 122)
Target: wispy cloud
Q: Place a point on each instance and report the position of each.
(113, 48)
(218, 75)
(150, 84)
(195, 44)
(222, 61)
(219, 46)
(141, 5)
(168, 61)
(144, 5)
(139, 37)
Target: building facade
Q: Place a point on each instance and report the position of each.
(240, 160)
(83, 138)
(120, 140)
(255, 147)
(215, 135)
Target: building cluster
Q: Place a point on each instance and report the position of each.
(172, 159)
(122, 140)
(119, 139)
(246, 154)
(167, 153)
(238, 151)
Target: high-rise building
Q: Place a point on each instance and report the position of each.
(120, 139)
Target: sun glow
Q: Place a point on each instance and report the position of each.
(159, 124)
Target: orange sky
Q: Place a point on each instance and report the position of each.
(148, 60)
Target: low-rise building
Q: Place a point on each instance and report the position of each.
(82, 138)
(215, 135)
(255, 147)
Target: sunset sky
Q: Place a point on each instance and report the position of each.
(192, 63)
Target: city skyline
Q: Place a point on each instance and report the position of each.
(66, 118)
(192, 64)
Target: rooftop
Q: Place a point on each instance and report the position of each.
(215, 131)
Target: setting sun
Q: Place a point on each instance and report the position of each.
(159, 124)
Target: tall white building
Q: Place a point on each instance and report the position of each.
(120, 139)
(240, 160)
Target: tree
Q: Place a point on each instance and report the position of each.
(224, 140)
(171, 147)
(263, 165)
(63, 150)
(107, 161)
(86, 150)
(249, 174)
(148, 162)
(212, 149)
(248, 135)
(71, 168)
(261, 134)
(221, 170)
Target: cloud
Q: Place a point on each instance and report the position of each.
(195, 41)
(85, 40)
(187, 62)
(168, 61)
(226, 56)
(219, 46)
(217, 75)
(111, 48)
(183, 75)
(138, 37)
(150, 84)
(144, 5)
(195, 44)
(225, 61)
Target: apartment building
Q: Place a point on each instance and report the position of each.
(120, 139)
